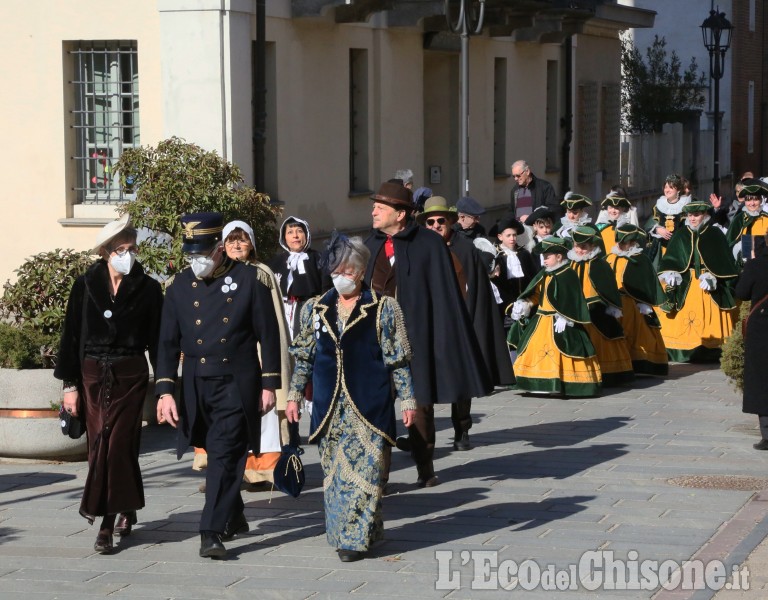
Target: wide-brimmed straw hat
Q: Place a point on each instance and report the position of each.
(110, 231)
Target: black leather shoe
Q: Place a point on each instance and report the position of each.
(104, 543)
(761, 445)
(423, 482)
(234, 527)
(211, 546)
(125, 523)
(462, 443)
(350, 555)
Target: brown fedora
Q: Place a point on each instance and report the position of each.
(394, 194)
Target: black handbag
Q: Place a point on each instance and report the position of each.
(72, 426)
(288, 476)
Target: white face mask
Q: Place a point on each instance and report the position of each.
(202, 266)
(343, 285)
(123, 263)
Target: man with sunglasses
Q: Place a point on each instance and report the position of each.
(530, 192)
(414, 266)
(472, 272)
(216, 312)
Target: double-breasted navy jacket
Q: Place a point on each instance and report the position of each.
(217, 323)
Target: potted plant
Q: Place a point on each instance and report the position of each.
(32, 311)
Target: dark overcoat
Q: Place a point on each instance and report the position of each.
(753, 286)
(217, 324)
(485, 316)
(131, 327)
(447, 364)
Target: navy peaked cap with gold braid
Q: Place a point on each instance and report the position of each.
(200, 231)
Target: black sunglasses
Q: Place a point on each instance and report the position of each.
(438, 220)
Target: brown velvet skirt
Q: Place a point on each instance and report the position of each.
(114, 392)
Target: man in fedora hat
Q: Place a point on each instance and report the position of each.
(481, 305)
(413, 265)
(216, 312)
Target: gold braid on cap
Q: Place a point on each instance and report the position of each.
(190, 231)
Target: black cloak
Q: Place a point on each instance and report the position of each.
(447, 364)
(485, 316)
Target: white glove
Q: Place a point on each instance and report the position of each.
(644, 309)
(279, 277)
(671, 278)
(614, 312)
(561, 323)
(520, 309)
(707, 282)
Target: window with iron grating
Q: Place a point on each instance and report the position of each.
(105, 115)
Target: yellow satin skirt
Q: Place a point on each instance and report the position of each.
(541, 367)
(613, 356)
(646, 345)
(700, 323)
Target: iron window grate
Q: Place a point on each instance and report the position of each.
(106, 115)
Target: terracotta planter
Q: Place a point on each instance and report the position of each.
(29, 427)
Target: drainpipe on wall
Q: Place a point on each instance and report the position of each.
(259, 97)
(567, 121)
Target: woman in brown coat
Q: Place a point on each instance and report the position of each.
(113, 317)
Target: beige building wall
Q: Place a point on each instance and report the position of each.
(196, 82)
(35, 147)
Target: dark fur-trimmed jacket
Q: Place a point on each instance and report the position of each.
(129, 325)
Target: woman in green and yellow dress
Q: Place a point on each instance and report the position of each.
(617, 212)
(698, 273)
(640, 292)
(604, 304)
(747, 229)
(555, 354)
(667, 217)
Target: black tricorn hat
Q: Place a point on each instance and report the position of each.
(509, 222)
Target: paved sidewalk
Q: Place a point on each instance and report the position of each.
(547, 480)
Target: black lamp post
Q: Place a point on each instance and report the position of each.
(716, 31)
(467, 23)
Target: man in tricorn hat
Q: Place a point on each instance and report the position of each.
(216, 312)
(414, 265)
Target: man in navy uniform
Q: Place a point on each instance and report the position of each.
(216, 312)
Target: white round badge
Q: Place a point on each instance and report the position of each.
(225, 288)
(108, 314)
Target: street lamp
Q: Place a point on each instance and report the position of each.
(468, 23)
(716, 32)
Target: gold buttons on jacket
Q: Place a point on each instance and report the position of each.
(229, 300)
(223, 340)
(198, 322)
(199, 342)
(194, 284)
(196, 303)
(225, 360)
(225, 319)
(202, 360)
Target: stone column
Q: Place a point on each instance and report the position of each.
(205, 53)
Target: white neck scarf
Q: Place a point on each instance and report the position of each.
(514, 269)
(295, 261)
(633, 251)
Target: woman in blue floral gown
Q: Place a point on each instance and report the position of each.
(353, 346)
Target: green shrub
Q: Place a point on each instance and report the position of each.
(732, 358)
(24, 347)
(38, 298)
(177, 178)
